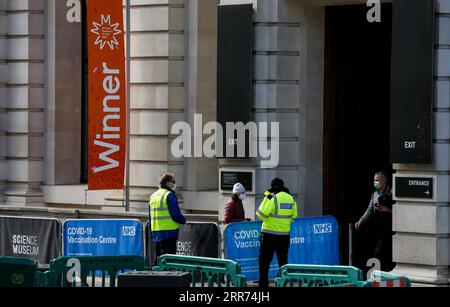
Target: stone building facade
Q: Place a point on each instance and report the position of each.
(173, 77)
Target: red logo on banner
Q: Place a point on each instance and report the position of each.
(107, 95)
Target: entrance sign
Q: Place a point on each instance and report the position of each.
(413, 188)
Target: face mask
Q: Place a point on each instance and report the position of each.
(242, 196)
(376, 185)
(174, 186)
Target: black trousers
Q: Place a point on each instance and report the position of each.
(382, 238)
(270, 244)
(383, 252)
(164, 247)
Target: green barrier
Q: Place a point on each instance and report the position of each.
(17, 272)
(356, 284)
(40, 279)
(204, 271)
(385, 279)
(94, 270)
(292, 275)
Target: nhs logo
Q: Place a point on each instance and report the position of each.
(129, 231)
(322, 228)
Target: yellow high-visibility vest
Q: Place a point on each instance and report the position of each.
(277, 211)
(159, 212)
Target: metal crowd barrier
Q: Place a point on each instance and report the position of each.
(317, 275)
(335, 276)
(388, 280)
(205, 271)
(102, 271)
(17, 272)
(94, 271)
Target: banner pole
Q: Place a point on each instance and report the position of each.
(127, 166)
(350, 244)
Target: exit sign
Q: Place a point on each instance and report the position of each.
(412, 81)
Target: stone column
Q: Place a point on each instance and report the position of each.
(200, 173)
(422, 241)
(288, 88)
(3, 95)
(277, 77)
(25, 112)
(157, 85)
(63, 93)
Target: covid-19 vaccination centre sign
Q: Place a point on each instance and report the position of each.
(102, 237)
(314, 240)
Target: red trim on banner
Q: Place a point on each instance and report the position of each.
(376, 284)
(107, 95)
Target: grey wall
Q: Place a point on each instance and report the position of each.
(422, 244)
(3, 93)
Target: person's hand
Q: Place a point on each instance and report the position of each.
(382, 208)
(358, 225)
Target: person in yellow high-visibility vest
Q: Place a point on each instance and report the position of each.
(165, 216)
(277, 211)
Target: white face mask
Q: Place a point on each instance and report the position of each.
(242, 196)
(174, 186)
(377, 185)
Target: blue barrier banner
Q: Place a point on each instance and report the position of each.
(102, 237)
(314, 240)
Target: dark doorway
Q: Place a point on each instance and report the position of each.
(357, 118)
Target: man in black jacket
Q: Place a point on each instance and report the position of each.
(380, 210)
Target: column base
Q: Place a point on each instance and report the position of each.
(24, 196)
(139, 198)
(2, 190)
(422, 275)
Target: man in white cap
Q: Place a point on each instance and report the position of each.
(234, 209)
